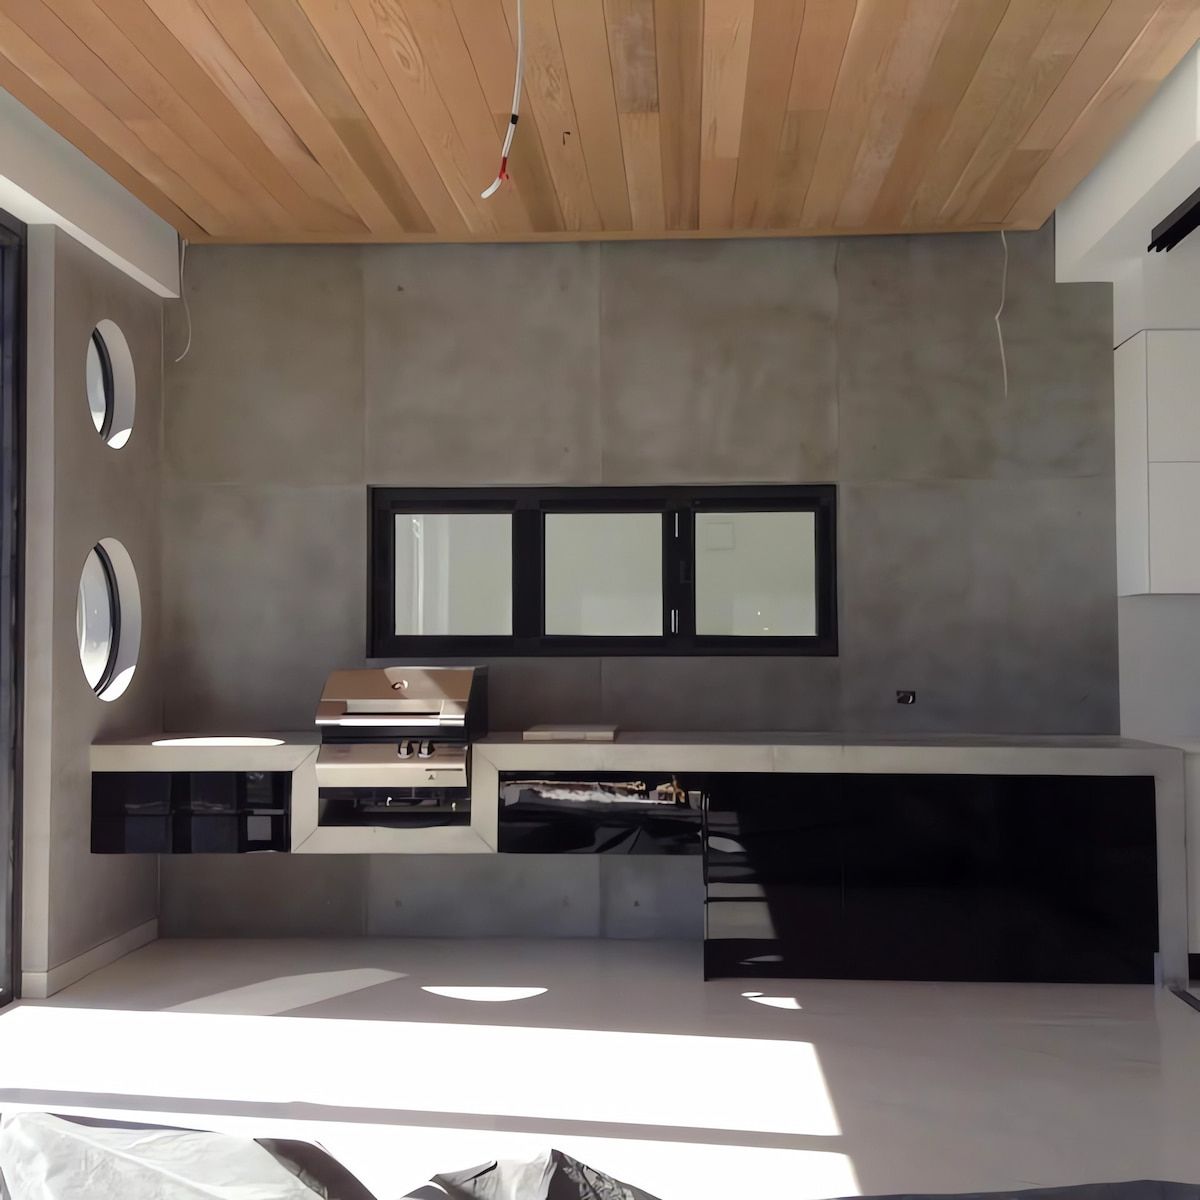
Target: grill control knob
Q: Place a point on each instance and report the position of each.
(406, 749)
(426, 749)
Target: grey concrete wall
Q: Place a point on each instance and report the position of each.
(79, 491)
(976, 545)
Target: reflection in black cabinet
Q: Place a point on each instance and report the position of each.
(599, 813)
(1034, 878)
(190, 812)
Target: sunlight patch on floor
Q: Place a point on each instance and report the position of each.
(569, 1075)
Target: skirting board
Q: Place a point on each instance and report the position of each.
(38, 985)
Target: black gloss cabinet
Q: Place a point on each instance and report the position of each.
(938, 877)
(190, 812)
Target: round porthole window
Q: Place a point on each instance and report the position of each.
(111, 391)
(108, 619)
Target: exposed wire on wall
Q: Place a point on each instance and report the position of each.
(502, 174)
(187, 312)
(1000, 310)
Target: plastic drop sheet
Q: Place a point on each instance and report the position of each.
(551, 1176)
(47, 1158)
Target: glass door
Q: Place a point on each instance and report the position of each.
(12, 334)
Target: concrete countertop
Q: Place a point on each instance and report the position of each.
(141, 754)
(787, 738)
(761, 750)
(827, 752)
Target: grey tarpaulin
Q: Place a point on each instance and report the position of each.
(556, 1176)
(551, 1176)
(1141, 1189)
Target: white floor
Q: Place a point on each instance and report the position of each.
(627, 1060)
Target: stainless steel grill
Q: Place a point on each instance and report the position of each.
(396, 744)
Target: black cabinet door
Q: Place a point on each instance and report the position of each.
(190, 812)
(956, 877)
(775, 864)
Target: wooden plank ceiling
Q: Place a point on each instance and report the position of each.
(380, 120)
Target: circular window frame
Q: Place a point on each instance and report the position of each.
(114, 618)
(117, 381)
(125, 619)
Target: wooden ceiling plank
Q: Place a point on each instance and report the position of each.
(633, 53)
(962, 48)
(14, 81)
(868, 48)
(453, 72)
(208, 100)
(641, 137)
(187, 22)
(351, 50)
(908, 66)
(728, 25)
(395, 41)
(548, 92)
(584, 39)
(773, 41)
(718, 182)
(1000, 70)
(1069, 29)
(679, 35)
(1158, 49)
(252, 43)
(1108, 43)
(312, 64)
(634, 60)
(109, 42)
(61, 86)
(1117, 30)
(530, 174)
(1020, 170)
(819, 53)
(216, 203)
(493, 52)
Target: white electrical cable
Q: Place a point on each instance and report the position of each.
(502, 174)
(1003, 298)
(183, 296)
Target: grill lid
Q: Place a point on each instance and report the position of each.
(404, 697)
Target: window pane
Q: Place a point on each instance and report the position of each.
(756, 574)
(604, 574)
(453, 574)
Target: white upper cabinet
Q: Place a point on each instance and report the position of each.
(1156, 376)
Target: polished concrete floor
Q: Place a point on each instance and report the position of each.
(618, 1053)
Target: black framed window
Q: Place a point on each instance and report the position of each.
(675, 570)
(12, 394)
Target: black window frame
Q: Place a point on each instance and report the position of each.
(529, 506)
(13, 327)
(106, 383)
(114, 614)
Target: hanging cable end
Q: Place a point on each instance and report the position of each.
(501, 176)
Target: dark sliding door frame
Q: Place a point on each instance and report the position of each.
(12, 425)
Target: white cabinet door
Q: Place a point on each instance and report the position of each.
(1175, 527)
(1173, 388)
